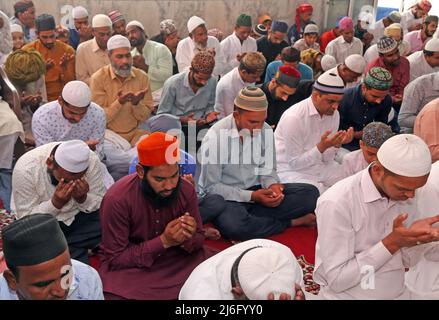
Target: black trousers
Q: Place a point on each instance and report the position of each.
(82, 235)
(211, 206)
(245, 221)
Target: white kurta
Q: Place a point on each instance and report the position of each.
(340, 49)
(377, 30)
(10, 129)
(186, 51)
(32, 189)
(419, 66)
(423, 279)
(299, 131)
(351, 260)
(211, 279)
(226, 91)
(354, 162)
(232, 47)
(408, 19)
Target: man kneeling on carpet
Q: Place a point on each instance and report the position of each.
(252, 270)
(39, 264)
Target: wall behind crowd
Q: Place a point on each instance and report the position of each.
(217, 13)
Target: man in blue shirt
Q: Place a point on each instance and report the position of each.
(367, 102)
(291, 57)
(39, 264)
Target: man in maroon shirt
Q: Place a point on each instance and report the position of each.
(152, 235)
(398, 66)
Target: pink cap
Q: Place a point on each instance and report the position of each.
(346, 24)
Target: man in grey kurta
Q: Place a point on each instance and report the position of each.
(416, 95)
(238, 163)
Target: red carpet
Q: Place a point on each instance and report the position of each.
(302, 243)
(300, 240)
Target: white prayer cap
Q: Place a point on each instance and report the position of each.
(265, 270)
(311, 28)
(411, 3)
(356, 63)
(16, 28)
(135, 23)
(73, 156)
(330, 83)
(432, 45)
(405, 155)
(79, 13)
(118, 41)
(194, 22)
(101, 21)
(77, 94)
(328, 62)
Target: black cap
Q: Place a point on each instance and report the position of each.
(45, 22)
(32, 240)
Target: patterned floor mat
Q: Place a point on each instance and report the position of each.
(308, 269)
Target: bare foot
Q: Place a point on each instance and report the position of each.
(212, 234)
(306, 221)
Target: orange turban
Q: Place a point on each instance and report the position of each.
(158, 149)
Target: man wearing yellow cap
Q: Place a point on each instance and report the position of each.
(152, 230)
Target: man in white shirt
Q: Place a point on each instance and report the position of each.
(65, 180)
(250, 70)
(73, 117)
(423, 279)
(411, 19)
(39, 264)
(92, 55)
(374, 135)
(307, 136)
(351, 70)
(197, 41)
(238, 43)
(260, 270)
(346, 44)
(377, 29)
(426, 61)
(364, 246)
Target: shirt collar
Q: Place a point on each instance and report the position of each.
(368, 188)
(186, 79)
(234, 130)
(342, 40)
(75, 283)
(237, 76)
(312, 111)
(95, 47)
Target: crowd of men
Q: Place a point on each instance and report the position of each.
(286, 125)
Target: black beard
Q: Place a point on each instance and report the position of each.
(273, 94)
(53, 180)
(157, 199)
